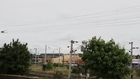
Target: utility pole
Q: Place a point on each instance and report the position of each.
(38, 58)
(53, 56)
(44, 65)
(71, 51)
(131, 74)
(63, 59)
(45, 55)
(59, 57)
(35, 55)
(83, 49)
(138, 61)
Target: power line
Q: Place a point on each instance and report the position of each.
(97, 21)
(107, 13)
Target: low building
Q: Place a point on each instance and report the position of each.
(136, 62)
(63, 58)
(50, 55)
(75, 59)
(47, 60)
(36, 60)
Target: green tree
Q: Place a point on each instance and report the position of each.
(107, 59)
(137, 56)
(14, 58)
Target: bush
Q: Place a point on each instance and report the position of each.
(44, 67)
(57, 65)
(49, 66)
(75, 69)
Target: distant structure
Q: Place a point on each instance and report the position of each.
(54, 58)
(136, 63)
(50, 55)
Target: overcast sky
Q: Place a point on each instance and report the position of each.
(55, 22)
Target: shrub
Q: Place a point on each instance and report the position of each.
(49, 66)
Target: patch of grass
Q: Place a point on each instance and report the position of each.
(134, 75)
(64, 70)
(38, 68)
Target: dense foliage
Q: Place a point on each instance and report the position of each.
(107, 59)
(49, 66)
(137, 56)
(14, 58)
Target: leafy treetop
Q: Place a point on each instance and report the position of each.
(15, 58)
(107, 59)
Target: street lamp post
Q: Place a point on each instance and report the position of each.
(70, 62)
(131, 75)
